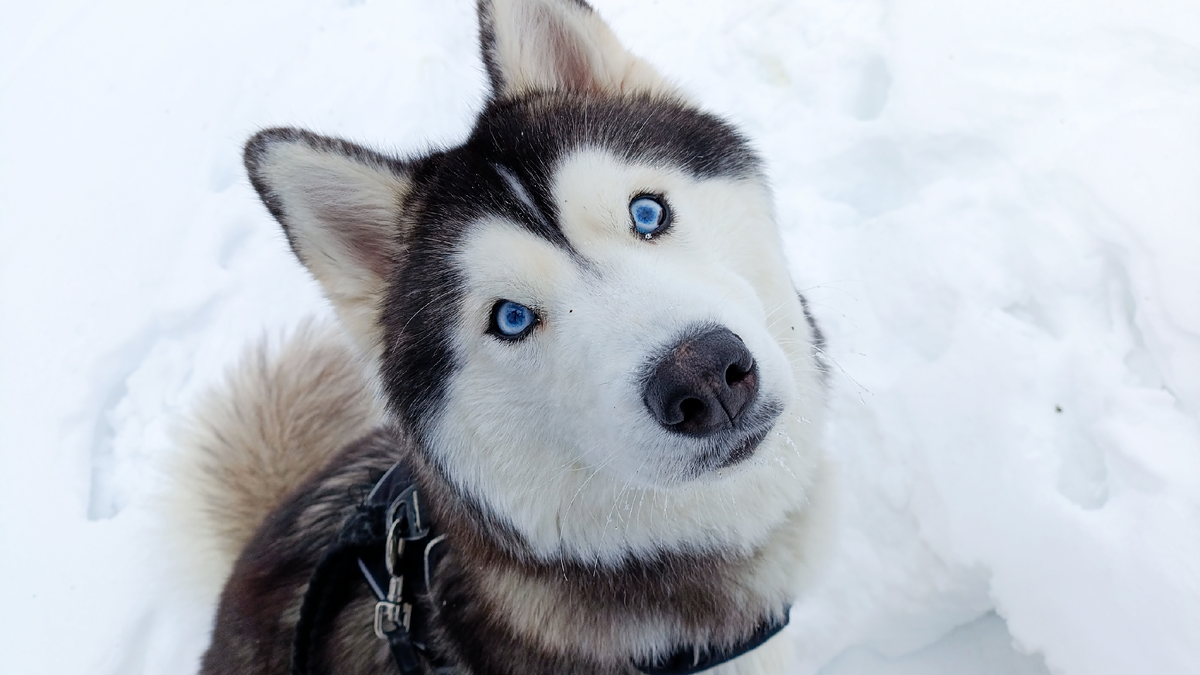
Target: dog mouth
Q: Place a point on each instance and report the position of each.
(743, 450)
(742, 447)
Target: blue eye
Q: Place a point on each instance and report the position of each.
(511, 320)
(649, 214)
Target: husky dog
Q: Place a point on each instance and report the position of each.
(588, 354)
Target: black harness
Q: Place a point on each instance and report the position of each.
(395, 548)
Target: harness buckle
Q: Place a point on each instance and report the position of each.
(406, 508)
(394, 549)
(391, 616)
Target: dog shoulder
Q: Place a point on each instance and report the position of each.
(259, 608)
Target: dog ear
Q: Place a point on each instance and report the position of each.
(341, 208)
(558, 45)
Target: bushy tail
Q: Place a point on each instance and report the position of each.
(279, 415)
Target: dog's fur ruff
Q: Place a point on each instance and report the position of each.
(582, 536)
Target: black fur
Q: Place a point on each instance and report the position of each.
(452, 189)
(818, 337)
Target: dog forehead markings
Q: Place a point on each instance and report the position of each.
(516, 203)
(522, 194)
(505, 260)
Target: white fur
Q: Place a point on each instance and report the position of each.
(538, 609)
(551, 432)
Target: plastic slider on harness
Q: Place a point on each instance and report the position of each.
(404, 524)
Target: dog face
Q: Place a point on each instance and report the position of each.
(582, 313)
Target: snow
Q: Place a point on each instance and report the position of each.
(994, 208)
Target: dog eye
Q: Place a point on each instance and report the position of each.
(650, 215)
(512, 321)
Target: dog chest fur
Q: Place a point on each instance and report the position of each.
(522, 616)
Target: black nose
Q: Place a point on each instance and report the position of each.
(703, 384)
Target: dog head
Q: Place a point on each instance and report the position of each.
(582, 313)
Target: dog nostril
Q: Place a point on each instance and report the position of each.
(735, 373)
(692, 409)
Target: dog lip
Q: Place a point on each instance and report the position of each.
(745, 449)
(723, 457)
(745, 441)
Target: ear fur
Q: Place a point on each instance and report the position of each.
(340, 206)
(558, 45)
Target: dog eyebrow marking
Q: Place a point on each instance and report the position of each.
(522, 194)
(548, 230)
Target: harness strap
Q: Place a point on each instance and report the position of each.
(387, 542)
(330, 585)
(391, 543)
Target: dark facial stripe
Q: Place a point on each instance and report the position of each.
(545, 228)
(818, 338)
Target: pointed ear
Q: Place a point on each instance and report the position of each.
(341, 208)
(558, 45)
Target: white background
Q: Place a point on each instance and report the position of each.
(994, 208)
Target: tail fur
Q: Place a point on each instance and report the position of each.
(278, 416)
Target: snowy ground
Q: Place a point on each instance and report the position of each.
(994, 206)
